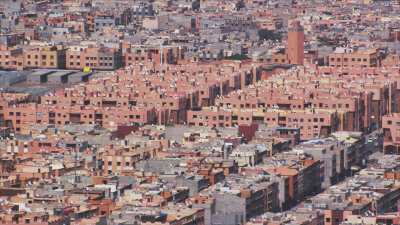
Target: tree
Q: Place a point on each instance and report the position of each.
(265, 34)
(237, 57)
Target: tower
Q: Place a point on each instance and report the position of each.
(295, 43)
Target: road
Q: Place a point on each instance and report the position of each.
(374, 143)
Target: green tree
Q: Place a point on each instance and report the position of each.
(265, 34)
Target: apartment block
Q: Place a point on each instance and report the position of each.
(11, 58)
(345, 58)
(136, 54)
(98, 58)
(44, 57)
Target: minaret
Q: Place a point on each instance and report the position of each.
(162, 54)
(295, 48)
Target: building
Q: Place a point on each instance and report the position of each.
(51, 57)
(295, 45)
(44, 57)
(11, 58)
(346, 58)
(391, 133)
(102, 21)
(99, 58)
(136, 54)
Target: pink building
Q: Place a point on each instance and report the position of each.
(136, 95)
(391, 132)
